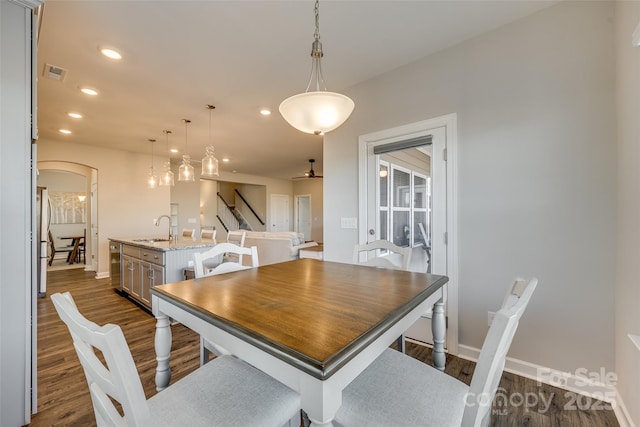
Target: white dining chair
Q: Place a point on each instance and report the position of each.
(397, 389)
(396, 257)
(225, 392)
(201, 269)
(206, 263)
(426, 245)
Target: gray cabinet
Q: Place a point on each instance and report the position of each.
(152, 272)
(143, 266)
(130, 275)
(141, 269)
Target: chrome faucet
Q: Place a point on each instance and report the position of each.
(158, 224)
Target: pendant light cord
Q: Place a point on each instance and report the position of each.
(316, 55)
(186, 139)
(316, 11)
(152, 144)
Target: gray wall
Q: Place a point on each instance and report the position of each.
(536, 173)
(627, 290)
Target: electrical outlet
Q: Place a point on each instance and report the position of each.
(189, 263)
(155, 220)
(492, 314)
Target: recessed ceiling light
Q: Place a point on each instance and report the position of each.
(74, 115)
(89, 91)
(225, 159)
(265, 111)
(174, 150)
(65, 131)
(110, 53)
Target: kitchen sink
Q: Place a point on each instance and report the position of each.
(152, 240)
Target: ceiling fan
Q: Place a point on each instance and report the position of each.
(311, 173)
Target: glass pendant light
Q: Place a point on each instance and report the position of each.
(166, 180)
(152, 178)
(209, 162)
(186, 172)
(318, 111)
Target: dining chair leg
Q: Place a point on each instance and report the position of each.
(204, 352)
(400, 344)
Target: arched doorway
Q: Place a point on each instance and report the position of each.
(91, 190)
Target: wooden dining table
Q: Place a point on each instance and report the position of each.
(75, 252)
(313, 325)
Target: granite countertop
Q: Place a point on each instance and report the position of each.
(163, 244)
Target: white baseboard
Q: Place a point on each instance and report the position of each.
(564, 380)
(623, 416)
(102, 275)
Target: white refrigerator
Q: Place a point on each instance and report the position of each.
(43, 221)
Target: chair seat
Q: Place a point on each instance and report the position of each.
(225, 392)
(397, 389)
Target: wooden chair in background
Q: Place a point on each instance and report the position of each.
(60, 249)
(81, 248)
(189, 233)
(208, 234)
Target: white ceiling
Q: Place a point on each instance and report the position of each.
(237, 55)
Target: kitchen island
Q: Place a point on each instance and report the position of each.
(147, 262)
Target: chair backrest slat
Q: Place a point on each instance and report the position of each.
(385, 261)
(491, 361)
(119, 379)
(217, 252)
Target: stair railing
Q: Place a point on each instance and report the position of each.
(249, 206)
(226, 216)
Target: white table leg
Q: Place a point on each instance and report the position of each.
(438, 329)
(163, 351)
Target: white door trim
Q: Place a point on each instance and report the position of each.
(449, 122)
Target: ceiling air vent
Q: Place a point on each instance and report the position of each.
(54, 73)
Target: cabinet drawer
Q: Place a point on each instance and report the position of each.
(155, 257)
(131, 251)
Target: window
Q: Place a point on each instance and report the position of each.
(403, 202)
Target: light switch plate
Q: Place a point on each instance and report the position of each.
(349, 222)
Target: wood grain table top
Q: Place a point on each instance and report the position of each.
(312, 314)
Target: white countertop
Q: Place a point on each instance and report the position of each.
(164, 245)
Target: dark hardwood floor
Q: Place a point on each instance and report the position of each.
(63, 395)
